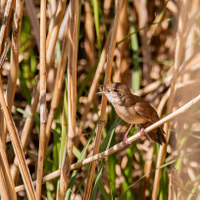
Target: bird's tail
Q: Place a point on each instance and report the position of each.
(161, 136)
(157, 135)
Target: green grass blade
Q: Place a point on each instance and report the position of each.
(24, 87)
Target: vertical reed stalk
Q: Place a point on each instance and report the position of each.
(12, 78)
(43, 110)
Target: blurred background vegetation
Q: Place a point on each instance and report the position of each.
(156, 55)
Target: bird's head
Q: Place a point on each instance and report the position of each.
(115, 92)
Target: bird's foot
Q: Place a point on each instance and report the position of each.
(125, 140)
(144, 134)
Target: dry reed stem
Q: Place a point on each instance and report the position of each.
(153, 86)
(30, 7)
(5, 169)
(107, 7)
(35, 99)
(88, 189)
(17, 145)
(147, 169)
(72, 96)
(5, 24)
(51, 9)
(4, 190)
(177, 63)
(5, 173)
(54, 26)
(171, 188)
(43, 111)
(13, 74)
(121, 145)
(121, 71)
(2, 127)
(173, 8)
(89, 42)
(45, 179)
(58, 85)
(12, 77)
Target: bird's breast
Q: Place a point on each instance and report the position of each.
(129, 115)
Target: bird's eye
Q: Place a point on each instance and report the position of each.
(114, 90)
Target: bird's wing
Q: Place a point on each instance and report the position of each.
(145, 110)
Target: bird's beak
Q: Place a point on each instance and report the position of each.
(102, 92)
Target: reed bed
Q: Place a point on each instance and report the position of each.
(58, 139)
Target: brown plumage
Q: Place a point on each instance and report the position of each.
(133, 110)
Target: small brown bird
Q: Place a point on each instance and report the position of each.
(133, 110)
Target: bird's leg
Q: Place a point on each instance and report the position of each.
(126, 136)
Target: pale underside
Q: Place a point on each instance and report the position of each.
(130, 115)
